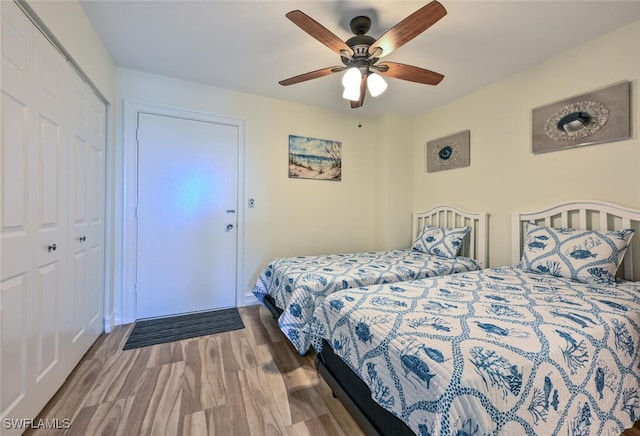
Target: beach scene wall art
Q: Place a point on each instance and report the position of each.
(313, 158)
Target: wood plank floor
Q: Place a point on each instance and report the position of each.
(244, 382)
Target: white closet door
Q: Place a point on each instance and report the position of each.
(86, 214)
(49, 190)
(33, 216)
(38, 339)
(17, 277)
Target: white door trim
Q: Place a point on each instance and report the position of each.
(129, 236)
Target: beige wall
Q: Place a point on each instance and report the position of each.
(393, 181)
(291, 217)
(504, 175)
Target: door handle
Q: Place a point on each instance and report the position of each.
(52, 247)
(229, 227)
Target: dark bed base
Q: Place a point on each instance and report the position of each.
(356, 397)
(270, 304)
(354, 394)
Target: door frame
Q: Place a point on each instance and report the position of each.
(131, 109)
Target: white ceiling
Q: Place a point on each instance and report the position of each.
(249, 46)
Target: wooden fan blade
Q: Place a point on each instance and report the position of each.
(310, 75)
(318, 31)
(363, 91)
(411, 73)
(409, 28)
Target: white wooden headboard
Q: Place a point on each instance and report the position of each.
(476, 242)
(582, 215)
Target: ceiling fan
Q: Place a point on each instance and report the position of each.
(360, 55)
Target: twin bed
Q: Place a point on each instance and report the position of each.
(549, 346)
(291, 288)
(515, 350)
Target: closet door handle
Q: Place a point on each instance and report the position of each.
(52, 247)
(82, 238)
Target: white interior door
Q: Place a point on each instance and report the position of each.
(86, 210)
(186, 215)
(32, 219)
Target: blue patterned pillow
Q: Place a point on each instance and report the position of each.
(440, 241)
(587, 256)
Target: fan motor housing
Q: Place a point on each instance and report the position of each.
(357, 42)
(360, 55)
(361, 42)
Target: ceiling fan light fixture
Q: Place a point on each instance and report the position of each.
(360, 54)
(351, 93)
(352, 78)
(376, 84)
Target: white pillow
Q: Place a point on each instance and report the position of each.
(587, 256)
(441, 241)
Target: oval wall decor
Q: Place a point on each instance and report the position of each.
(576, 121)
(448, 152)
(596, 117)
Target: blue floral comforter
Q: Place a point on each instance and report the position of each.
(497, 351)
(298, 284)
